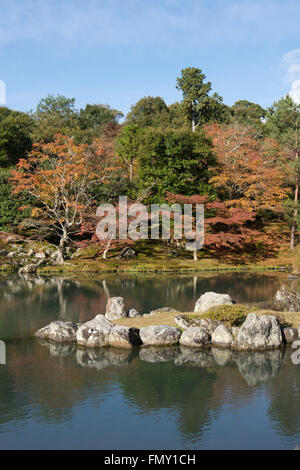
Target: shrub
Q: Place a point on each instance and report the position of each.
(230, 315)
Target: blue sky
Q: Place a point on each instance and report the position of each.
(117, 51)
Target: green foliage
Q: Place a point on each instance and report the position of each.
(10, 215)
(230, 315)
(248, 113)
(93, 119)
(176, 161)
(199, 107)
(149, 112)
(55, 114)
(15, 136)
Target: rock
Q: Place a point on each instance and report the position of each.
(184, 321)
(235, 331)
(99, 322)
(92, 338)
(3, 252)
(159, 335)
(40, 255)
(62, 332)
(221, 356)
(195, 336)
(115, 308)
(55, 255)
(133, 313)
(290, 335)
(156, 354)
(287, 299)
(128, 253)
(211, 299)
(28, 269)
(259, 332)
(124, 337)
(196, 357)
(222, 337)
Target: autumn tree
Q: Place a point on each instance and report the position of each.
(283, 124)
(58, 176)
(248, 173)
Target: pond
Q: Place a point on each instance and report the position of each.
(56, 396)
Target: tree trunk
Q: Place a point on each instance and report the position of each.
(195, 255)
(61, 247)
(131, 171)
(294, 224)
(106, 249)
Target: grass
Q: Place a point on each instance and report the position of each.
(167, 318)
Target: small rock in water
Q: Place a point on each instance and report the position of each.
(287, 299)
(28, 269)
(59, 331)
(222, 337)
(124, 337)
(195, 336)
(159, 335)
(92, 338)
(259, 332)
(290, 335)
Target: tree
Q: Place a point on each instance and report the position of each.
(10, 216)
(93, 121)
(283, 124)
(225, 228)
(15, 136)
(175, 160)
(248, 174)
(149, 111)
(55, 114)
(199, 107)
(58, 176)
(127, 145)
(248, 113)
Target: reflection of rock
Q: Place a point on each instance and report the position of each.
(211, 299)
(259, 366)
(259, 332)
(184, 321)
(159, 335)
(195, 336)
(59, 331)
(159, 354)
(115, 308)
(287, 299)
(59, 349)
(124, 337)
(222, 337)
(290, 335)
(196, 357)
(92, 338)
(221, 356)
(102, 358)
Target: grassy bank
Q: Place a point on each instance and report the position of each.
(167, 318)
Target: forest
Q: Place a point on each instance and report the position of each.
(59, 163)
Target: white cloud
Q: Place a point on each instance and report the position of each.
(291, 64)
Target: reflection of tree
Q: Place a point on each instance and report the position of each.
(284, 393)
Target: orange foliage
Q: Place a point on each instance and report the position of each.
(248, 175)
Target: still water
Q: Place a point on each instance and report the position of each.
(60, 397)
